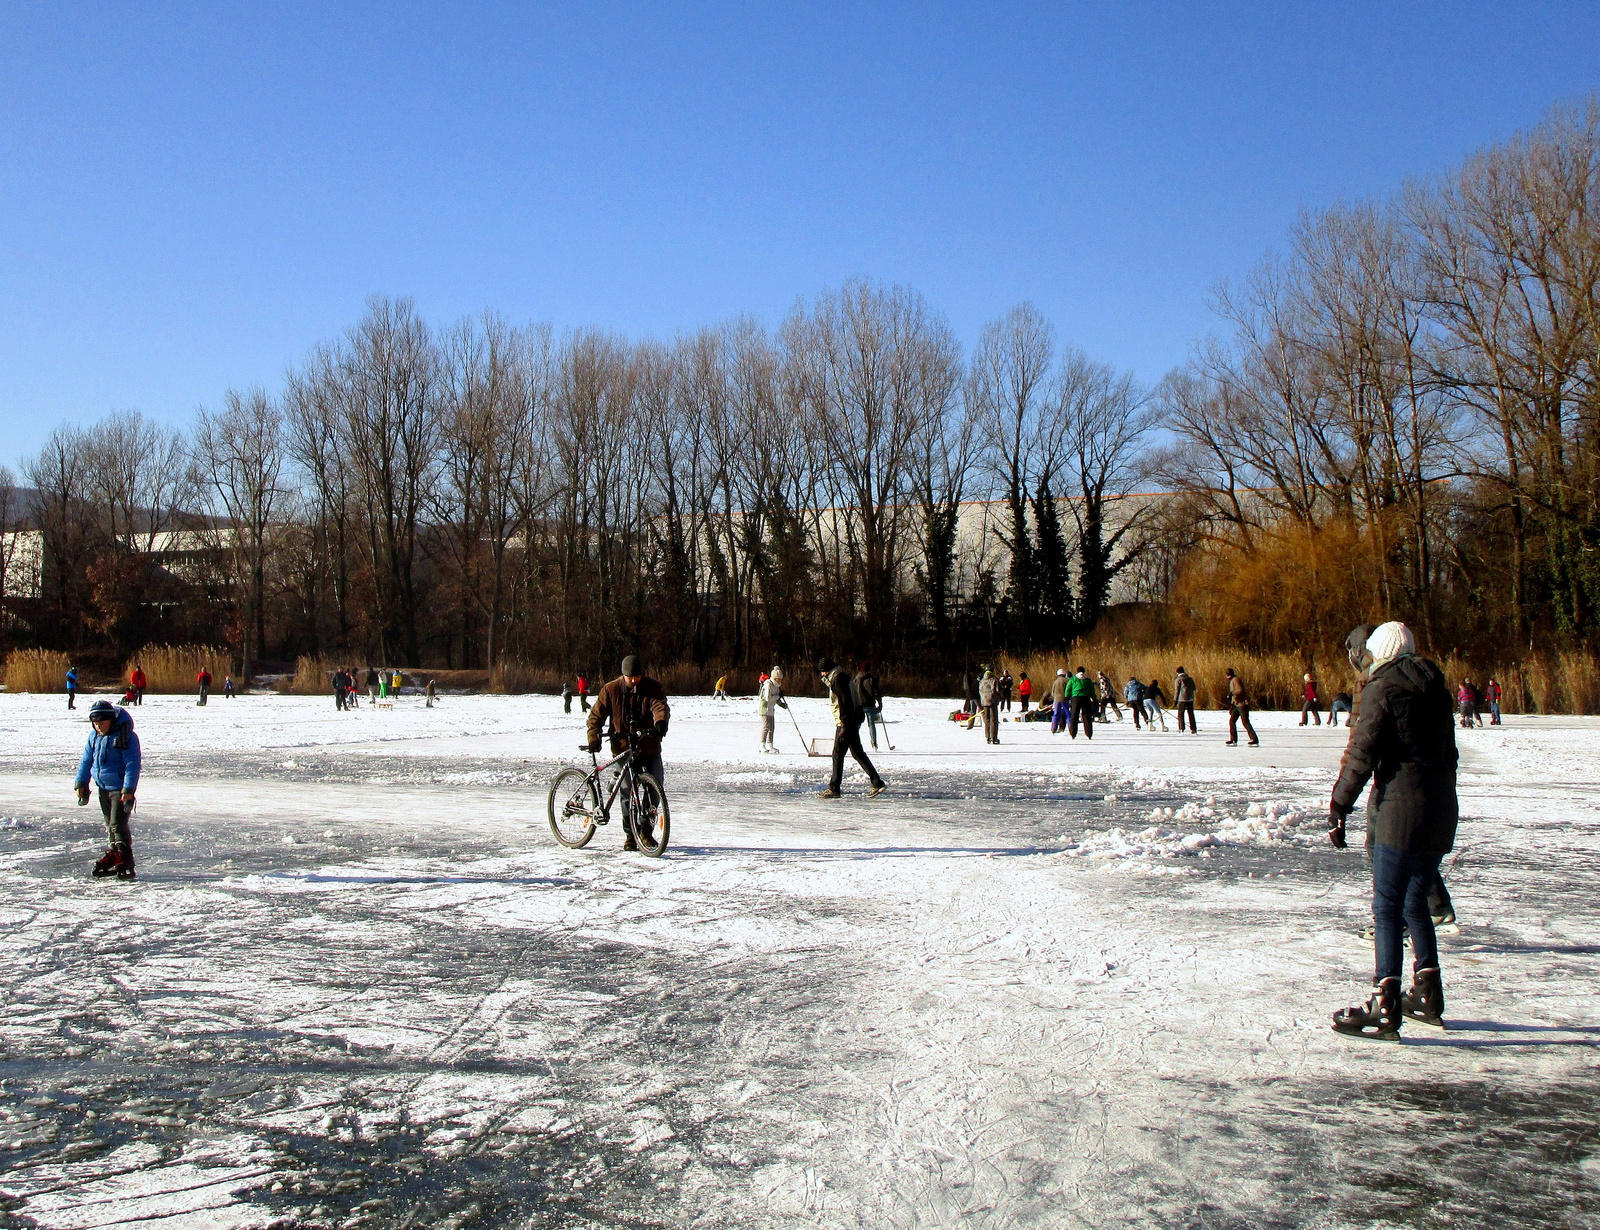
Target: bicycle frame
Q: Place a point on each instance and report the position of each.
(623, 763)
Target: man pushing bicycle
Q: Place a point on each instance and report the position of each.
(633, 702)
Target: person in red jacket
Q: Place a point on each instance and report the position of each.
(203, 682)
(1024, 690)
(1310, 705)
(583, 693)
(137, 683)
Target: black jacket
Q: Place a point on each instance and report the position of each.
(1405, 741)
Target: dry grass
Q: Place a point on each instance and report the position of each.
(313, 677)
(1274, 680)
(1565, 682)
(172, 668)
(36, 670)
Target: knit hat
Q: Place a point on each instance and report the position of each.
(1390, 641)
(630, 666)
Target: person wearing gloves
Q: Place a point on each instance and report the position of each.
(634, 702)
(1404, 742)
(111, 762)
(1108, 696)
(847, 718)
(768, 701)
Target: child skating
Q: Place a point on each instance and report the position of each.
(111, 761)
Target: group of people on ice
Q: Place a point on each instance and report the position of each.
(380, 685)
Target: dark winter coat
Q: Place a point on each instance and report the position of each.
(643, 706)
(1405, 741)
(1238, 698)
(867, 691)
(111, 760)
(841, 698)
(1183, 688)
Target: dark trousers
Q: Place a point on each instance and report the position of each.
(1400, 883)
(1024, 702)
(1186, 706)
(583, 701)
(1082, 712)
(1334, 710)
(205, 691)
(1137, 709)
(847, 738)
(567, 697)
(71, 696)
(1240, 714)
(338, 698)
(116, 814)
(1311, 708)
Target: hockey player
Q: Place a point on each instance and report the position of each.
(111, 761)
(768, 701)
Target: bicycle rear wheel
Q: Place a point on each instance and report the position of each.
(652, 822)
(574, 806)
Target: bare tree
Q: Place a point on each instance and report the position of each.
(238, 458)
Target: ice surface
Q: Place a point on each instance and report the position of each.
(1052, 982)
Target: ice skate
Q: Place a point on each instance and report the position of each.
(107, 863)
(1425, 1000)
(1378, 1018)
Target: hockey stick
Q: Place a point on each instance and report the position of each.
(803, 742)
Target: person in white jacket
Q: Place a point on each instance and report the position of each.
(768, 701)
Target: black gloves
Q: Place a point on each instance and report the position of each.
(1336, 815)
(661, 729)
(592, 748)
(782, 704)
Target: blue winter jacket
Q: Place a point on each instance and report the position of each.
(111, 760)
(72, 680)
(1133, 693)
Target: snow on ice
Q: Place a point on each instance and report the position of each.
(359, 984)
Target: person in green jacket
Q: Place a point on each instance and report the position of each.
(1080, 703)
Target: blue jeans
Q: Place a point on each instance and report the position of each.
(1058, 717)
(873, 719)
(1400, 884)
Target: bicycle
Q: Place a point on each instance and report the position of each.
(576, 805)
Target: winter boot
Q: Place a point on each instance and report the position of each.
(107, 863)
(1379, 1018)
(1425, 1000)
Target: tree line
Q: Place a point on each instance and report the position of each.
(1398, 420)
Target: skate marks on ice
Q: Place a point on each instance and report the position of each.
(389, 1017)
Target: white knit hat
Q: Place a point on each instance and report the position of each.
(1389, 641)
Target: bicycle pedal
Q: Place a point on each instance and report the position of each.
(602, 819)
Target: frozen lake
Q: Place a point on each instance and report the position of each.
(358, 983)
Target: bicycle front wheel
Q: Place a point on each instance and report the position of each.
(652, 823)
(574, 806)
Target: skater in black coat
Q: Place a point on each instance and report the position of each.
(1404, 742)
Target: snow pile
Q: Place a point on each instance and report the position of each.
(755, 778)
(1262, 824)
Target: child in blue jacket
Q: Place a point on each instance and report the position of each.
(111, 761)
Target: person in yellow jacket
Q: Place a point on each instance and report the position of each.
(721, 690)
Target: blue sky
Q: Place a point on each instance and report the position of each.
(191, 196)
